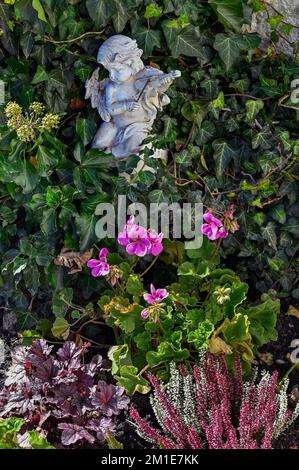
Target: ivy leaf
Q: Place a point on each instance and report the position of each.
(262, 139)
(27, 177)
(205, 133)
(40, 10)
(61, 301)
(86, 230)
(41, 75)
(47, 161)
(229, 48)
(278, 213)
(148, 39)
(229, 12)
(223, 154)
(27, 42)
(269, 235)
(253, 107)
(48, 223)
(100, 11)
(86, 130)
(187, 43)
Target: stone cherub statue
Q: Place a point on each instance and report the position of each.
(128, 100)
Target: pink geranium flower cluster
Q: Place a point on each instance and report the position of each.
(139, 241)
(213, 228)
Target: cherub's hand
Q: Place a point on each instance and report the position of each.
(133, 106)
(175, 73)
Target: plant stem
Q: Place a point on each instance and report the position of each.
(149, 267)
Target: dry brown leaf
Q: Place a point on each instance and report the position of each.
(293, 311)
(73, 260)
(218, 346)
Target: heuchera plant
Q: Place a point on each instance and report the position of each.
(59, 392)
(211, 409)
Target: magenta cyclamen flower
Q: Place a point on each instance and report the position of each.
(139, 241)
(100, 267)
(213, 228)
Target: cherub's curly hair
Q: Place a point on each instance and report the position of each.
(120, 49)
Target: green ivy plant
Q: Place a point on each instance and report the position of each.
(231, 131)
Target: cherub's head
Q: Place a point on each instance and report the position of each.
(121, 57)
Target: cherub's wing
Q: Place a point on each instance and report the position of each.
(95, 90)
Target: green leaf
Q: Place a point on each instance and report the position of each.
(229, 48)
(37, 441)
(86, 229)
(205, 133)
(47, 161)
(61, 328)
(253, 107)
(229, 12)
(152, 10)
(262, 139)
(134, 285)
(166, 352)
(132, 382)
(119, 356)
(200, 336)
(269, 235)
(263, 319)
(27, 177)
(148, 39)
(40, 10)
(61, 301)
(48, 222)
(100, 11)
(237, 330)
(86, 130)
(187, 43)
(223, 155)
(41, 75)
(278, 213)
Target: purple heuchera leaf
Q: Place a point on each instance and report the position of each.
(72, 433)
(17, 370)
(53, 391)
(108, 398)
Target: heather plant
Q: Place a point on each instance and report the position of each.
(61, 395)
(209, 408)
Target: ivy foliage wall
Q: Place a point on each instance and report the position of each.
(231, 130)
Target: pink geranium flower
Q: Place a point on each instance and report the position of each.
(139, 241)
(213, 228)
(156, 242)
(156, 295)
(100, 267)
